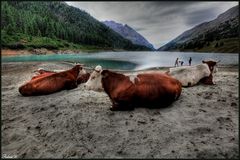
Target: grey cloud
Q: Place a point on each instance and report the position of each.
(199, 17)
(158, 22)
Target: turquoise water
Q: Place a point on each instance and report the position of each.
(129, 60)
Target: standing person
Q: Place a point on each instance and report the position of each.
(176, 63)
(190, 61)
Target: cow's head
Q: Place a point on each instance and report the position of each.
(79, 70)
(95, 80)
(212, 65)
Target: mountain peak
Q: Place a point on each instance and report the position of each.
(128, 32)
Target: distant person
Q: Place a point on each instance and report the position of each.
(181, 63)
(176, 63)
(190, 61)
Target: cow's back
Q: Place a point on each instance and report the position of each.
(46, 84)
(156, 89)
(45, 74)
(189, 75)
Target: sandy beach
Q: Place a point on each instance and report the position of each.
(202, 123)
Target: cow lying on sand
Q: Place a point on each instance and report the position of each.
(142, 90)
(82, 78)
(42, 73)
(191, 75)
(48, 83)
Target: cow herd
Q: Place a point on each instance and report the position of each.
(152, 90)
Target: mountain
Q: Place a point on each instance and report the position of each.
(218, 35)
(128, 33)
(55, 25)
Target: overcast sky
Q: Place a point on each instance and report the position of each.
(159, 22)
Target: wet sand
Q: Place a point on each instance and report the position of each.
(77, 123)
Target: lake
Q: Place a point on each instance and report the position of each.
(137, 60)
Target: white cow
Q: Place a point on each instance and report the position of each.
(191, 75)
(94, 81)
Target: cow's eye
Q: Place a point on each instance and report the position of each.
(93, 77)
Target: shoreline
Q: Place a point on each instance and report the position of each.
(43, 51)
(202, 123)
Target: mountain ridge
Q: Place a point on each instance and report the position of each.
(128, 32)
(205, 34)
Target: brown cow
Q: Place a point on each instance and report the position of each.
(51, 83)
(81, 79)
(142, 90)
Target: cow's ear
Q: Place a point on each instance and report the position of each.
(203, 62)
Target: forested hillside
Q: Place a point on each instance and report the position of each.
(55, 25)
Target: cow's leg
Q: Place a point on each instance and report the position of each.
(207, 80)
(121, 107)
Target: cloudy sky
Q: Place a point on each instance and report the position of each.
(159, 22)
